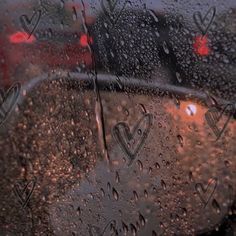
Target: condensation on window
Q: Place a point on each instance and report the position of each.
(117, 117)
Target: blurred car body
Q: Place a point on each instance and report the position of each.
(58, 41)
(144, 41)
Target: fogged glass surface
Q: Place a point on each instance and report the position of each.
(117, 117)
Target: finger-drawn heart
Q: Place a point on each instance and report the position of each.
(205, 194)
(29, 25)
(8, 100)
(214, 115)
(109, 7)
(131, 142)
(204, 23)
(96, 231)
(23, 193)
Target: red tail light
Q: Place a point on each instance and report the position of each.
(85, 40)
(200, 45)
(21, 37)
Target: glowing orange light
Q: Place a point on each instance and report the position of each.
(85, 40)
(188, 112)
(200, 45)
(21, 37)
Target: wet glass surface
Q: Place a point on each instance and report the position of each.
(117, 117)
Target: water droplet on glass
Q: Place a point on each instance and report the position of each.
(190, 175)
(161, 225)
(157, 34)
(157, 166)
(163, 184)
(150, 170)
(102, 192)
(180, 139)
(79, 211)
(117, 177)
(140, 165)
(135, 195)
(227, 163)
(133, 230)
(178, 77)
(142, 220)
(216, 206)
(126, 111)
(166, 49)
(154, 233)
(125, 228)
(145, 193)
(184, 210)
(139, 132)
(108, 187)
(115, 194)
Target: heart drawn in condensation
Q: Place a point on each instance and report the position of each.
(214, 115)
(96, 231)
(205, 194)
(8, 100)
(204, 23)
(109, 8)
(29, 25)
(24, 192)
(131, 142)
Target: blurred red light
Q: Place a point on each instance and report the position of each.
(21, 37)
(85, 40)
(200, 45)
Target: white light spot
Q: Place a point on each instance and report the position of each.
(191, 110)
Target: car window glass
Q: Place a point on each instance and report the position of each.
(117, 117)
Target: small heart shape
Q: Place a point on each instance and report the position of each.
(112, 4)
(29, 25)
(213, 116)
(109, 6)
(204, 23)
(23, 193)
(96, 231)
(8, 101)
(205, 194)
(125, 138)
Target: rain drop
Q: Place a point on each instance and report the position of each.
(145, 193)
(140, 164)
(108, 186)
(216, 206)
(178, 77)
(115, 194)
(166, 49)
(157, 166)
(135, 195)
(139, 132)
(117, 177)
(163, 184)
(142, 219)
(125, 228)
(133, 229)
(180, 139)
(154, 233)
(102, 192)
(79, 211)
(126, 112)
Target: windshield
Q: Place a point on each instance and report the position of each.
(117, 117)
